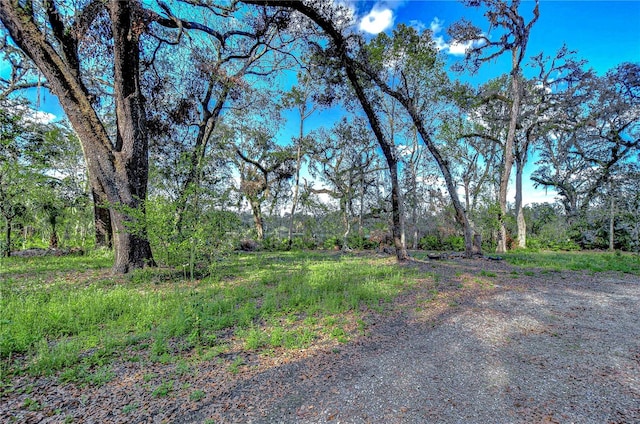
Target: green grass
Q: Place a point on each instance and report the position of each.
(42, 266)
(57, 318)
(53, 317)
(577, 261)
(197, 395)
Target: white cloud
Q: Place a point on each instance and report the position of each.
(376, 21)
(459, 49)
(455, 49)
(34, 116)
(41, 117)
(417, 25)
(436, 25)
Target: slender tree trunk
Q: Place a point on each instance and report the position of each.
(350, 68)
(414, 218)
(207, 125)
(612, 213)
(397, 211)
(461, 213)
(53, 239)
(296, 186)
(7, 239)
(508, 156)
(347, 225)
(522, 224)
(361, 209)
(257, 219)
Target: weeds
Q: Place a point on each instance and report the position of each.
(74, 321)
(56, 319)
(163, 390)
(197, 395)
(577, 261)
(234, 368)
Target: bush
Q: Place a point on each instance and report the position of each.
(275, 244)
(455, 243)
(430, 242)
(538, 243)
(361, 243)
(302, 243)
(331, 243)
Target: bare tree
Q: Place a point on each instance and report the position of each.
(514, 39)
(300, 98)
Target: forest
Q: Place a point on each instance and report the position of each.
(172, 149)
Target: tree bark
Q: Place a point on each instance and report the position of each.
(522, 224)
(119, 169)
(257, 219)
(132, 146)
(508, 157)
(102, 222)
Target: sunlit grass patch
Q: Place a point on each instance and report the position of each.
(577, 261)
(78, 324)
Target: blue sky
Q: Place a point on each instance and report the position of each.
(605, 33)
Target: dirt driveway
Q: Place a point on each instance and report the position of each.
(495, 344)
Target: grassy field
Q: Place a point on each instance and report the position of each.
(70, 317)
(577, 261)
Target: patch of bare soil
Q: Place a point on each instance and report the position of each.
(489, 343)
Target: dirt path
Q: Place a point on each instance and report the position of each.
(495, 345)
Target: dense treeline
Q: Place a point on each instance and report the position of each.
(174, 153)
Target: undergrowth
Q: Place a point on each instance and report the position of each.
(577, 261)
(56, 319)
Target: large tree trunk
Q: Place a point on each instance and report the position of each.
(132, 147)
(102, 222)
(118, 170)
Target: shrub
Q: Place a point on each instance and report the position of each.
(430, 242)
(332, 243)
(275, 244)
(455, 243)
(357, 241)
(300, 243)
